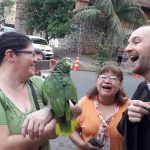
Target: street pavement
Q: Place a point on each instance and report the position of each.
(89, 63)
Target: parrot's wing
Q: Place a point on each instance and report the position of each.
(70, 90)
(53, 92)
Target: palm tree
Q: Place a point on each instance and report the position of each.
(20, 19)
(112, 15)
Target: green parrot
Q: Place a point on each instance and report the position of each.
(59, 90)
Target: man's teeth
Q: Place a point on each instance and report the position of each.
(133, 58)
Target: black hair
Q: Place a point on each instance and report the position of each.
(13, 41)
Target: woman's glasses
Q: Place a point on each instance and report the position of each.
(111, 78)
(25, 52)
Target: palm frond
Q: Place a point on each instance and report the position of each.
(134, 16)
(106, 6)
(89, 16)
(83, 8)
(116, 27)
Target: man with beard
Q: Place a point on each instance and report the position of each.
(135, 123)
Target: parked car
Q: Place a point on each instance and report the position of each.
(42, 44)
(4, 29)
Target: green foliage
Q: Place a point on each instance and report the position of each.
(5, 4)
(49, 16)
(104, 52)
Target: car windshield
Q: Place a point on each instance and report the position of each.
(7, 29)
(39, 41)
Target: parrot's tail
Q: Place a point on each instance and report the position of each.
(65, 129)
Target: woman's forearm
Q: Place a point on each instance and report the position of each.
(18, 142)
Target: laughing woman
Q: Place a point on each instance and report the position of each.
(17, 99)
(102, 109)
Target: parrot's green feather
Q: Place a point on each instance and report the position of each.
(67, 129)
(68, 111)
(59, 89)
(49, 92)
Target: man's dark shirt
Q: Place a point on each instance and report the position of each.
(137, 135)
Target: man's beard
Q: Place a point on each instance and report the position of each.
(144, 65)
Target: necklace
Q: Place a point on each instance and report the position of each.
(103, 132)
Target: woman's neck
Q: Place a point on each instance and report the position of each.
(106, 100)
(10, 79)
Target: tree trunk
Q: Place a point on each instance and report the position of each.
(20, 18)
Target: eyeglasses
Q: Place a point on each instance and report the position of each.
(104, 77)
(25, 52)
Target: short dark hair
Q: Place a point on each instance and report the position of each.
(120, 96)
(38, 51)
(13, 41)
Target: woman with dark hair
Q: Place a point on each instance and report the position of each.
(20, 97)
(102, 109)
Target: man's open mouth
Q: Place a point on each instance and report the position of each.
(134, 58)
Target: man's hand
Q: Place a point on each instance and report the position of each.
(137, 109)
(35, 122)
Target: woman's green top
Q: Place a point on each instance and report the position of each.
(11, 116)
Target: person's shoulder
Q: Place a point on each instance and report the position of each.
(128, 102)
(85, 101)
(142, 84)
(37, 79)
(2, 96)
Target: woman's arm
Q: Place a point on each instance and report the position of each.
(35, 123)
(18, 142)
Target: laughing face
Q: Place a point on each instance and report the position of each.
(138, 50)
(108, 84)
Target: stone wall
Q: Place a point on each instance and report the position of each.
(90, 41)
(83, 41)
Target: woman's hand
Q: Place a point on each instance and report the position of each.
(137, 109)
(35, 122)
